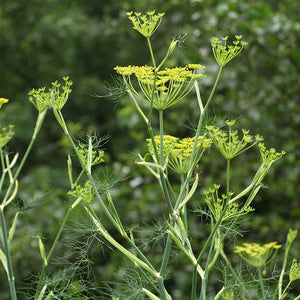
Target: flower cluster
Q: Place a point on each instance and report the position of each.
(294, 273)
(145, 24)
(163, 88)
(177, 152)
(97, 155)
(257, 255)
(6, 134)
(54, 97)
(229, 143)
(84, 192)
(180, 155)
(269, 155)
(223, 53)
(216, 204)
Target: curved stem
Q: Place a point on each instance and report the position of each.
(11, 278)
(38, 124)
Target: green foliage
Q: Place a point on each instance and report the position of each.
(44, 40)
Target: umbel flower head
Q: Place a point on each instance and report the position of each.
(269, 155)
(177, 152)
(294, 273)
(145, 24)
(56, 97)
(84, 192)
(229, 143)
(97, 155)
(223, 53)
(216, 205)
(179, 158)
(164, 88)
(257, 255)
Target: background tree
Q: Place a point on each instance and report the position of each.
(42, 41)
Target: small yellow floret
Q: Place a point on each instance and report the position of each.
(3, 101)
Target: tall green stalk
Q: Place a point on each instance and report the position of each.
(11, 276)
(198, 131)
(261, 283)
(10, 272)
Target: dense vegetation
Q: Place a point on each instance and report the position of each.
(45, 40)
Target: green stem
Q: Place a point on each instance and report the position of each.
(235, 275)
(166, 254)
(261, 283)
(212, 234)
(203, 289)
(61, 121)
(10, 275)
(151, 53)
(161, 160)
(184, 212)
(3, 169)
(154, 82)
(287, 248)
(58, 235)
(161, 136)
(282, 296)
(38, 124)
(194, 283)
(162, 290)
(198, 130)
(49, 256)
(228, 180)
(209, 265)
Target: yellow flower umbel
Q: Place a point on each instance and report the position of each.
(169, 142)
(145, 24)
(180, 155)
(177, 152)
(257, 255)
(163, 89)
(223, 53)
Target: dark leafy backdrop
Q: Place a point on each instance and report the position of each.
(41, 41)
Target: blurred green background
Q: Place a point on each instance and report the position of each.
(44, 40)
